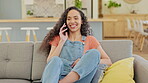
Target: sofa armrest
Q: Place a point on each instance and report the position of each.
(140, 69)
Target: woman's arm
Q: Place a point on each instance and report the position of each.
(104, 57)
(55, 51)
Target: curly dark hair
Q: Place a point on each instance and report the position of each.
(85, 29)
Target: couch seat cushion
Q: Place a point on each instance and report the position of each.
(14, 81)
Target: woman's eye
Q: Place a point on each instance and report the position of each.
(76, 18)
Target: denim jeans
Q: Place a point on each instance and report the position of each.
(59, 66)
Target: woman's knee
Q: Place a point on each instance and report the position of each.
(56, 60)
(93, 53)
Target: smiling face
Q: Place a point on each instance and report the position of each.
(74, 21)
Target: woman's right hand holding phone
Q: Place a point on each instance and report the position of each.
(63, 36)
(56, 50)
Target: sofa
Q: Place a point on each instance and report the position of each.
(21, 62)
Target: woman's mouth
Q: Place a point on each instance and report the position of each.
(73, 26)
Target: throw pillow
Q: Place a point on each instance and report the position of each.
(120, 72)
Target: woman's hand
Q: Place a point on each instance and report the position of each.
(74, 63)
(63, 36)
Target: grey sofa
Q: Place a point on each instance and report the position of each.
(20, 62)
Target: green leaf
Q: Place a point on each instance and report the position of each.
(29, 12)
(78, 4)
(112, 4)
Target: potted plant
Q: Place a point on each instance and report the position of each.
(112, 4)
(78, 4)
(30, 13)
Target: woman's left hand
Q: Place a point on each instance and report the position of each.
(74, 63)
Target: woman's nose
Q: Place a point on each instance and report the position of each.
(72, 20)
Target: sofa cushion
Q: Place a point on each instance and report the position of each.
(120, 72)
(141, 69)
(117, 49)
(13, 81)
(39, 62)
(37, 81)
(16, 59)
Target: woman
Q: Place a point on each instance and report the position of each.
(74, 55)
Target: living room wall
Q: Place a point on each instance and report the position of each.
(10, 9)
(140, 7)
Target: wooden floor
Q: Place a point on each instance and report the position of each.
(144, 52)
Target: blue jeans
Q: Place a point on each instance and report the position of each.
(86, 68)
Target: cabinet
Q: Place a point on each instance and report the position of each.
(119, 28)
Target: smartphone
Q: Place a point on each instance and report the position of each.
(66, 28)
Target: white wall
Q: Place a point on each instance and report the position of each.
(95, 9)
(23, 9)
(141, 7)
(87, 4)
(10, 9)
